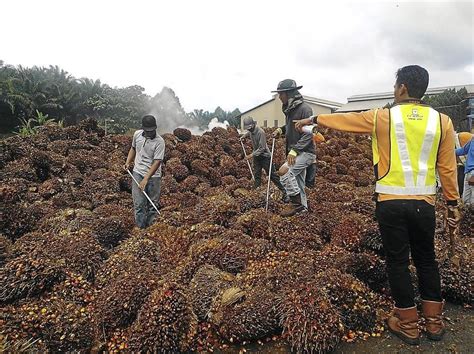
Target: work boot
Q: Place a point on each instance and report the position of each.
(285, 198)
(404, 324)
(432, 312)
(295, 206)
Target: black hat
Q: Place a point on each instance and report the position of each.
(287, 85)
(148, 123)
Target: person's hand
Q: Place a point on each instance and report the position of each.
(291, 158)
(126, 166)
(276, 133)
(302, 122)
(241, 137)
(143, 184)
(248, 157)
(453, 216)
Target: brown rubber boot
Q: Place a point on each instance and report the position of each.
(294, 207)
(432, 312)
(404, 324)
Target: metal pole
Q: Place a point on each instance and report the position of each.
(146, 195)
(248, 163)
(270, 174)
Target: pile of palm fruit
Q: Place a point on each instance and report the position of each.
(214, 270)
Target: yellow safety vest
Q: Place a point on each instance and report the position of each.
(415, 133)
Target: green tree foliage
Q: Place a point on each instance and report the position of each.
(449, 102)
(29, 93)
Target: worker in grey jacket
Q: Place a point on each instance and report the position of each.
(261, 155)
(299, 146)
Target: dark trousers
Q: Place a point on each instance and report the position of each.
(310, 175)
(408, 226)
(461, 179)
(260, 163)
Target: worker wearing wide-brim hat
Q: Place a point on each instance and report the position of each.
(411, 142)
(261, 155)
(300, 147)
(147, 152)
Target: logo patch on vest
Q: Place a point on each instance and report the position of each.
(415, 114)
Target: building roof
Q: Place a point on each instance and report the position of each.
(308, 99)
(378, 100)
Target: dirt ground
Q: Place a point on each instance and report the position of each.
(458, 339)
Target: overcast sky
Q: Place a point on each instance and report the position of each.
(233, 53)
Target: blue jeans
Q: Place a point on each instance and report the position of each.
(145, 214)
(294, 179)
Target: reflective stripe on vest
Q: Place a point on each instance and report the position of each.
(415, 130)
(375, 147)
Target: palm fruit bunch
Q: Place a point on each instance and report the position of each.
(109, 231)
(347, 233)
(244, 314)
(311, 324)
(118, 302)
(166, 322)
(169, 185)
(355, 301)
(28, 275)
(204, 231)
(250, 199)
(176, 169)
(68, 220)
(173, 244)
(227, 165)
(44, 260)
(138, 253)
(226, 254)
(297, 234)
(182, 134)
(218, 209)
(371, 238)
(58, 321)
(123, 213)
(190, 183)
(255, 223)
(456, 280)
(206, 284)
(278, 269)
(201, 167)
(5, 250)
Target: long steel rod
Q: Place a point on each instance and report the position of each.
(248, 163)
(270, 174)
(146, 195)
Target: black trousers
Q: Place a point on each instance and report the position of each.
(310, 175)
(408, 226)
(461, 179)
(260, 163)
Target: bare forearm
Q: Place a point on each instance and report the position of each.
(130, 156)
(153, 168)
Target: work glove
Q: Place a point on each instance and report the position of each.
(277, 132)
(291, 158)
(453, 216)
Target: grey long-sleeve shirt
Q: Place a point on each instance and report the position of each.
(300, 142)
(259, 142)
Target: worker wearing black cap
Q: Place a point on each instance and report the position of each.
(261, 155)
(300, 147)
(147, 151)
